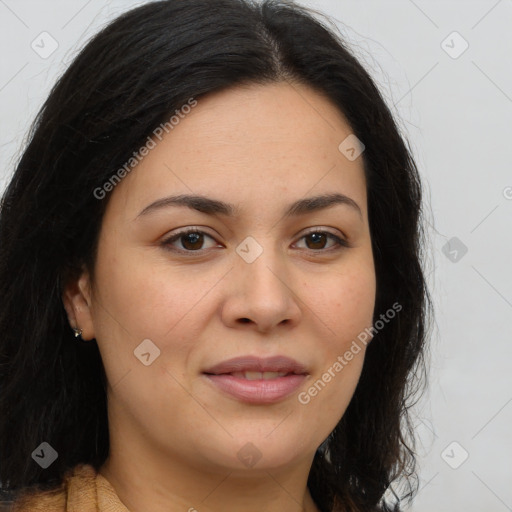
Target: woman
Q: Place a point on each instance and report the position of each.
(210, 264)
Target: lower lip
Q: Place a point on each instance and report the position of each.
(259, 391)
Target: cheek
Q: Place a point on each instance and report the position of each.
(147, 299)
(344, 302)
(345, 305)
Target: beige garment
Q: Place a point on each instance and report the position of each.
(82, 490)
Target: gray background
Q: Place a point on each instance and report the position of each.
(456, 109)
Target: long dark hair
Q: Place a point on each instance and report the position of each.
(125, 82)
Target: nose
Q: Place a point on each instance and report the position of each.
(261, 295)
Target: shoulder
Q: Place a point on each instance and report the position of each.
(78, 485)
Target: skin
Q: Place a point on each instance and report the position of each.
(174, 437)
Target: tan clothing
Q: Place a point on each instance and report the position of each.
(82, 490)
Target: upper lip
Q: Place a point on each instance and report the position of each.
(258, 364)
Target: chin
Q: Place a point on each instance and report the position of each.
(256, 451)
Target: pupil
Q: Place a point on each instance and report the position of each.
(191, 239)
(317, 238)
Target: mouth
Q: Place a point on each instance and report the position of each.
(259, 375)
(252, 367)
(257, 380)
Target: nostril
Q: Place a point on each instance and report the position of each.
(244, 320)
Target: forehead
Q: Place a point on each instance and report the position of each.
(257, 144)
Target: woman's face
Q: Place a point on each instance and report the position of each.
(212, 342)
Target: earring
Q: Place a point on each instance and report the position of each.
(78, 332)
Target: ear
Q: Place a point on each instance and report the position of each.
(76, 297)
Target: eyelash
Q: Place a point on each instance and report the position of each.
(341, 243)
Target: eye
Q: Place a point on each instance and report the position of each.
(191, 240)
(317, 240)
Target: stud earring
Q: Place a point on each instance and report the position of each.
(78, 332)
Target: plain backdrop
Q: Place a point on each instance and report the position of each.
(445, 70)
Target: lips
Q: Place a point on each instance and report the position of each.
(259, 375)
(257, 380)
(279, 364)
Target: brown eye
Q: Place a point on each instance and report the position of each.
(192, 241)
(318, 240)
(189, 241)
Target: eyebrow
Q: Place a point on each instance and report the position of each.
(210, 206)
